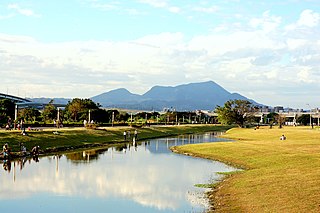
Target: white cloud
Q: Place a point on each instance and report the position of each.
(155, 3)
(262, 52)
(22, 11)
(114, 5)
(212, 9)
(161, 4)
(305, 76)
(309, 18)
(4, 17)
(295, 43)
(174, 9)
(267, 23)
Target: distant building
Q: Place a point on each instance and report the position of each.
(278, 109)
(264, 109)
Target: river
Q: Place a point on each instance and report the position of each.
(145, 177)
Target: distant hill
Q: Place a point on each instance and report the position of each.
(193, 96)
(115, 97)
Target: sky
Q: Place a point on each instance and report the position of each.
(266, 50)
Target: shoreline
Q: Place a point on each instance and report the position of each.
(53, 141)
(214, 199)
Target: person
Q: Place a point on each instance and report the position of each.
(125, 135)
(282, 138)
(9, 122)
(23, 149)
(24, 131)
(6, 150)
(135, 134)
(35, 150)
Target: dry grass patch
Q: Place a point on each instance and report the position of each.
(281, 176)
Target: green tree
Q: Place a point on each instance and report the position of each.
(236, 112)
(100, 115)
(6, 110)
(50, 112)
(78, 109)
(29, 114)
(304, 119)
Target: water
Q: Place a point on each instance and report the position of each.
(147, 177)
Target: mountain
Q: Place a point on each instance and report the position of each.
(116, 97)
(193, 96)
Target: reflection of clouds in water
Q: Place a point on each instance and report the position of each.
(160, 181)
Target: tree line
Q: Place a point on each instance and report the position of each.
(241, 113)
(233, 112)
(78, 110)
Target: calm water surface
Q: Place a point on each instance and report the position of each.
(147, 177)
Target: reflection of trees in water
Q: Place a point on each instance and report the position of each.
(85, 156)
(120, 147)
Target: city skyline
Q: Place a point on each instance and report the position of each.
(268, 51)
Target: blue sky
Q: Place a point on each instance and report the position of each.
(266, 50)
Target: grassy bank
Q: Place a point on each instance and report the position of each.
(280, 176)
(76, 138)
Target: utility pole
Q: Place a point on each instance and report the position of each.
(16, 112)
(112, 118)
(58, 118)
(311, 125)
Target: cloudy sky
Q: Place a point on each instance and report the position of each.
(267, 50)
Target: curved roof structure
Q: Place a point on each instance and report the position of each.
(13, 98)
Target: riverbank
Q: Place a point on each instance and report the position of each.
(66, 139)
(279, 175)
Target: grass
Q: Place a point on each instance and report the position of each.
(77, 138)
(279, 176)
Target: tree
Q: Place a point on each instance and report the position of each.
(49, 112)
(6, 110)
(281, 119)
(304, 119)
(29, 114)
(78, 109)
(236, 112)
(100, 115)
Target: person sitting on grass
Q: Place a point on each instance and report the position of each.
(282, 138)
(6, 150)
(23, 149)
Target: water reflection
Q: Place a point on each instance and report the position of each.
(143, 177)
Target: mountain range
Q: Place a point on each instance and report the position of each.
(193, 96)
(186, 97)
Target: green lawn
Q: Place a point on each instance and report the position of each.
(279, 176)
